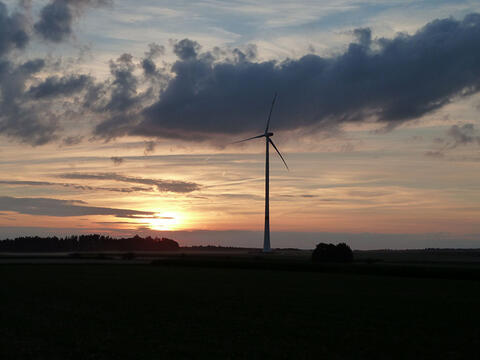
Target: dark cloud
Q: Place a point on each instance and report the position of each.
(56, 18)
(161, 185)
(72, 140)
(209, 93)
(148, 65)
(117, 160)
(60, 86)
(248, 54)
(93, 93)
(121, 99)
(19, 119)
(388, 81)
(61, 208)
(124, 86)
(32, 66)
(186, 49)
(22, 116)
(462, 135)
(154, 50)
(22, 182)
(149, 147)
(55, 21)
(455, 136)
(13, 30)
(29, 128)
(29, 121)
(364, 36)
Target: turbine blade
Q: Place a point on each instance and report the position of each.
(271, 142)
(270, 114)
(254, 137)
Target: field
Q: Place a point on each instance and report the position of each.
(168, 312)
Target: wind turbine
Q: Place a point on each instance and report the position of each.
(267, 135)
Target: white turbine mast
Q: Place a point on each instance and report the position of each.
(268, 141)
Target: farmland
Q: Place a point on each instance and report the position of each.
(140, 311)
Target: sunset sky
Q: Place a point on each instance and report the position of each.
(117, 117)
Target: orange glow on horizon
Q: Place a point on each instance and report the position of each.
(166, 221)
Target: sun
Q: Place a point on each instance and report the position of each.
(165, 221)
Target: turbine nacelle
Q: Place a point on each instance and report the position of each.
(267, 134)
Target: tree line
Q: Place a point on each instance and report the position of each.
(92, 242)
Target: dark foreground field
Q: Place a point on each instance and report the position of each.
(157, 312)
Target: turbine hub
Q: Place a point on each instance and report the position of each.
(269, 134)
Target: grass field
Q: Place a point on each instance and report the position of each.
(155, 312)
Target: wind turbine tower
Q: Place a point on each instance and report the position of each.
(268, 141)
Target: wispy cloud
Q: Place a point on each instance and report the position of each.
(161, 185)
(76, 186)
(62, 208)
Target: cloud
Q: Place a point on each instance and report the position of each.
(21, 182)
(55, 21)
(72, 140)
(13, 30)
(124, 90)
(154, 50)
(29, 109)
(148, 217)
(206, 94)
(60, 86)
(149, 147)
(121, 99)
(186, 49)
(388, 81)
(148, 65)
(61, 208)
(436, 154)
(462, 135)
(18, 118)
(30, 114)
(56, 18)
(161, 185)
(455, 136)
(30, 122)
(117, 160)
(364, 36)
(368, 194)
(76, 186)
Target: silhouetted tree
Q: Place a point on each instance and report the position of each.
(332, 253)
(91, 243)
